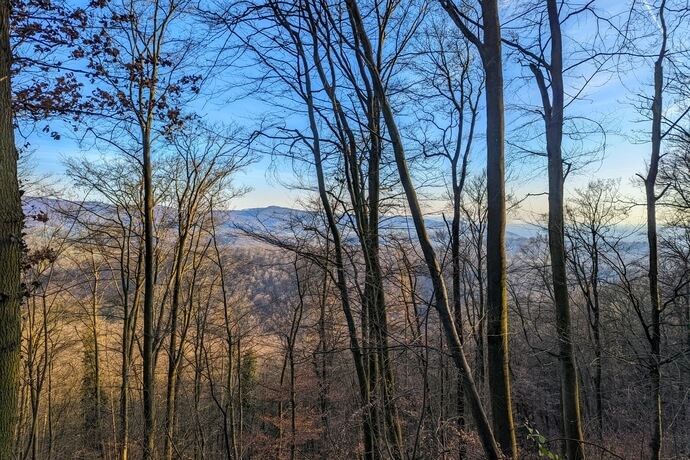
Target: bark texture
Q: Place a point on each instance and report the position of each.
(11, 217)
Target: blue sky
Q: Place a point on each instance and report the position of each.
(609, 99)
(623, 159)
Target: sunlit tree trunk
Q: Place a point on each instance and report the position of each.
(10, 251)
(131, 310)
(230, 429)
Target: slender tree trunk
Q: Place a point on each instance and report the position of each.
(654, 335)
(687, 345)
(229, 431)
(231, 449)
(415, 322)
(33, 378)
(481, 312)
(289, 364)
(199, 435)
(655, 326)
(149, 274)
(131, 311)
(553, 117)
(281, 407)
(98, 442)
(22, 417)
(459, 176)
(239, 448)
(174, 349)
(442, 303)
(11, 217)
(322, 363)
(49, 404)
(457, 305)
(458, 186)
(497, 307)
(341, 278)
(596, 332)
(47, 374)
(374, 292)
(293, 402)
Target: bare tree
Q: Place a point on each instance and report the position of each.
(448, 106)
(553, 101)
(488, 46)
(667, 18)
(117, 183)
(201, 167)
(593, 218)
(142, 75)
(441, 296)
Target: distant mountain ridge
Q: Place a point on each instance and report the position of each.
(276, 219)
(282, 215)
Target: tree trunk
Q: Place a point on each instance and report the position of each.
(47, 370)
(497, 307)
(341, 279)
(457, 306)
(322, 363)
(596, 332)
(11, 217)
(654, 335)
(459, 176)
(130, 314)
(229, 424)
(553, 118)
(149, 273)
(441, 296)
(374, 292)
(33, 369)
(97, 390)
(175, 348)
(239, 447)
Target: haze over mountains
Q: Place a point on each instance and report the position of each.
(274, 220)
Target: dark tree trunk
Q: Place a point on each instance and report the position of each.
(442, 303)
(11, 217)
(553, 107)
(149, 395)
(497, 307)
(654, 335)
